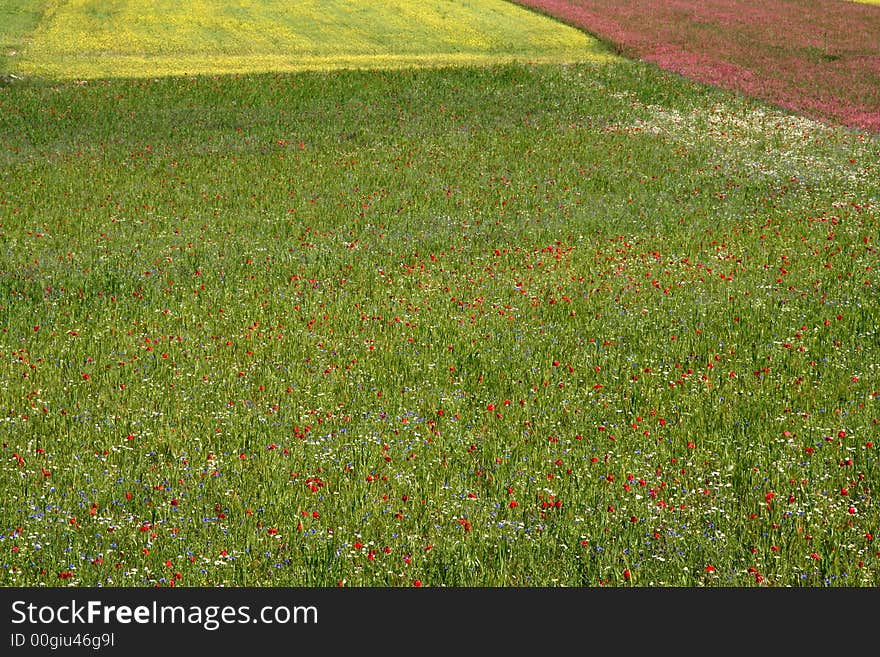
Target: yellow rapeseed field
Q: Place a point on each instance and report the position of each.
(82, 39)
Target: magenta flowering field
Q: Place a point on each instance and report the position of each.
(820, 58)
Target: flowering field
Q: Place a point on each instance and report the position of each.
(821, 58)
(88, 39)
(518, 325)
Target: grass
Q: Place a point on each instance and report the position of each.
(526, 324)
(517, 325)
(18, 19)
(84, 39)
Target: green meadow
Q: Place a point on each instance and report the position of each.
(521, 324)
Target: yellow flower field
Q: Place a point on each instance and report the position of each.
(112, 38)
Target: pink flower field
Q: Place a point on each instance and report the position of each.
(820, 58)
